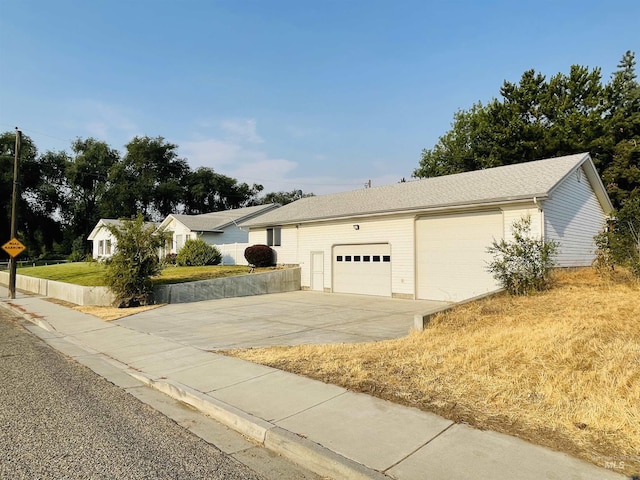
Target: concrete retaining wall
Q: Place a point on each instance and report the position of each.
(286, 280)
(278, 281)
(62, 291)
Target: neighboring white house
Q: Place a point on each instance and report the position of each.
(216, 228)
(427, 239)
(104, 242)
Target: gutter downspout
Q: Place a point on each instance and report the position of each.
(541, 210)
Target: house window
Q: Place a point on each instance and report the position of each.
(273, 237)
(107, 247)
(101, 247)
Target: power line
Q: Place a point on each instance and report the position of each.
(39, 133)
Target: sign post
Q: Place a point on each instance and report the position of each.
(14, 219)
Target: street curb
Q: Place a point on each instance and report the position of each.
(317, 458)
(35, 319)
(296, 448)
(252, 427)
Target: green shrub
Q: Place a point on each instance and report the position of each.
(129, 271)
(198, 253)
(522, 265)
(259, 255)
(620, 244)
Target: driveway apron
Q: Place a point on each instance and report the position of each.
(282, 319)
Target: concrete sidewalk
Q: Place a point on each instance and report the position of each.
(325, 428)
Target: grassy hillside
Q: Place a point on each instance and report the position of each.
(559, 368)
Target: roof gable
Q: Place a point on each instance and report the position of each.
(104, 222)
(504, 184)
(217, 221)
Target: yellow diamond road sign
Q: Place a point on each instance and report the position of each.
(13, 247)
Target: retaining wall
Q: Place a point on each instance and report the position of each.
(277, 281)
(62, 291)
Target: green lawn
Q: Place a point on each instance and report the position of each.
(80, 273)
(90, 274)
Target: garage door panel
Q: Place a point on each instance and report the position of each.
(451, 256)
(362, 269)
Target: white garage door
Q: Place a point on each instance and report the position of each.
(451, 256)
(363, 269)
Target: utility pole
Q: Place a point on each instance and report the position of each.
(14, 214)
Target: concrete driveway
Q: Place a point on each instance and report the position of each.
(293, 318)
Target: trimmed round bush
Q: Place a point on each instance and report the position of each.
(198, 253)
(259, 255)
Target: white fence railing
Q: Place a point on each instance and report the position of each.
(233, 253)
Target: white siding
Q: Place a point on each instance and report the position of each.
(102, 236)
(515, 213)
(287, 252)
(298, 243)
(451, 255)
(179, 233)
(573, 216)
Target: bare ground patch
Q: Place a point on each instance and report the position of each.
(105, 313)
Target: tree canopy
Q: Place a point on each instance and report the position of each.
(539, 118)
(64, 194)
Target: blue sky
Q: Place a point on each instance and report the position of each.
(314, 95)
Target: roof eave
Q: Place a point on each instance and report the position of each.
(415, 211)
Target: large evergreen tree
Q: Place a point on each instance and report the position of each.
(539, 118)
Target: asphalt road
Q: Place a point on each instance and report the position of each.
(59, 420)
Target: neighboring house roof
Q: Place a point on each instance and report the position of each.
(510, 183)
(216, 222)
(103, 222)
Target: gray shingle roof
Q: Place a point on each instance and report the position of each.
(217, 221)
(493, 185)
(104, 222)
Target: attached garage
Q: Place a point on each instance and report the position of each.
(439, 228)
(451, 255)
(364, 269)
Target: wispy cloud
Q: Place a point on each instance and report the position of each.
(231, 156)
(110, 123)
(234, 152)
(242, 131)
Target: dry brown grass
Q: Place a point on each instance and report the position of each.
(560, 368)
(105, 313)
